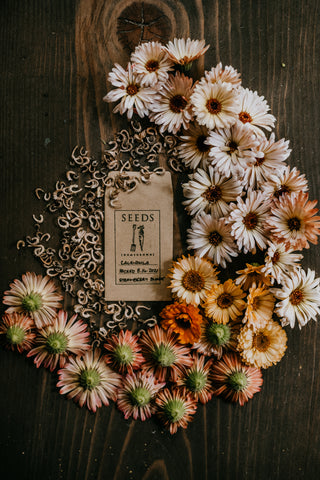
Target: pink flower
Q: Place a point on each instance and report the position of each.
(56, 342)
(123, 352)
(137, 394)
(17, 330)
(88, 381)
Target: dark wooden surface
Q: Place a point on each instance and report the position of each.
(54, 63)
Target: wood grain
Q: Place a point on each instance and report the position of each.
(54, 65)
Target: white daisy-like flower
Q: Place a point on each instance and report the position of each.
(293, 221)
(299, 298)
(35, 296)
(223, 74)
(184, 52)
(210, 192)
(231, 149)
(247, 222)
(279, 262)
(254, 111)
(152, 63)
(212, 238)
(132, 95)
(268, 160)
(192, 279)
(194, 150)
(285, 182)
(173, 109)
(215, 105)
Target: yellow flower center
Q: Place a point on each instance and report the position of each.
(213, 106)
(225, 300)
(193, 281)
(261, 342)
(296, 297)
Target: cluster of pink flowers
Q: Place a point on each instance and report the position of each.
(153, 373)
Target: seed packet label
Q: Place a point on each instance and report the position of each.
(139, 241)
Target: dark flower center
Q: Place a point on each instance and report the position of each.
(276, 257)
(213, 106)
(212, 194)
(294, 224)
(215, 238)
(178, 103)
(202, 147)
(193, 281)
(183, 321)
(283, 189)
(261, 342)
(296, 297)
(225, 300)
(259, 160)
(232, 146)
(152, 65)
(245, 117)
(132, 89)
(250, 220)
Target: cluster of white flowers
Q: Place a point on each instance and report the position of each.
(241, 194)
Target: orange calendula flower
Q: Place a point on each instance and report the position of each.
(224, 302)
(185, 320)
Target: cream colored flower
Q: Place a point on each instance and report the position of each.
(247, 220)
(284, 182)
(172, 109)
(210, 192)
(183, 52)
(192, 278)
(299, 298)
(211, 237)
(224, 302)
(231, 149)
(194, 150)
(215, 105)
(254, 111)
(223, 74)
(279, 262)
(152, 63)
(132, 95)
(262, 347)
